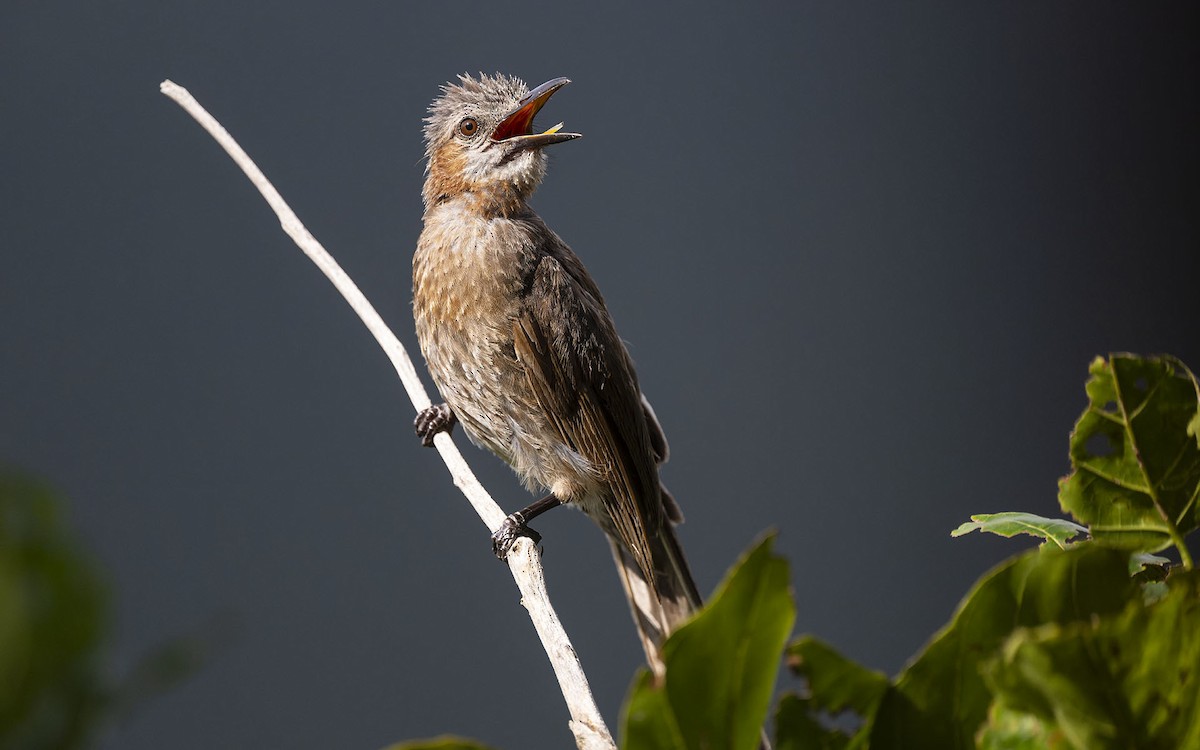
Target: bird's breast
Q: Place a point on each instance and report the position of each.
(468, 277)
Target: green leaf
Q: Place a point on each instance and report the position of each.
(445, 742)
(1150, 572)
(1138, 561)
(648, 718)
(1193, 427)
(720, 666)
(1117, 682)
(797, 727)
(836, 683)
(941, 696)
(1057, 530)
(1012, 730)
(53, 617)
(1136, 468)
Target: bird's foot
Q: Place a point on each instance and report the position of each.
(512, 529)
(431, 421)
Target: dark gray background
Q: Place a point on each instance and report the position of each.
(862, 254)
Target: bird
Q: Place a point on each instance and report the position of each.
(522, 348)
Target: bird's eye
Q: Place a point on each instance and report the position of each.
(468, 127)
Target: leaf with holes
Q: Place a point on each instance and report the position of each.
(835, 685)
(1057, 530)
(798, 728)
(1136, 474)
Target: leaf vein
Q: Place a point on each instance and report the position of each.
(1113, 479)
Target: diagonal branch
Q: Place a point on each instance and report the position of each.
(524, 561)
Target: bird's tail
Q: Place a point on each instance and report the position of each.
(660, 605)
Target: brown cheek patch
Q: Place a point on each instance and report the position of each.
(446, 167)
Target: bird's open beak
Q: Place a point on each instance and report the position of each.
(517, 128)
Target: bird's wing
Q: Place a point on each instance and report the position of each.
(574, 268)
(658, 439)
(583, 379)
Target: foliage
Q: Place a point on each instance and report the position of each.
(53, 622)
(53, 615)
(1092, 644)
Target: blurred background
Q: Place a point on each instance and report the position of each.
(862, 255)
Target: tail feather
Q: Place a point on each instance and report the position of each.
(657, 606)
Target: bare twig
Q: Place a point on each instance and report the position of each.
(524, 561)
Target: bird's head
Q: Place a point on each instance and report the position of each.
(480, 140)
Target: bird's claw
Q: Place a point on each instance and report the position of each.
(431, 421)
(506, 536)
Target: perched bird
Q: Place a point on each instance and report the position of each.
(523, 350)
